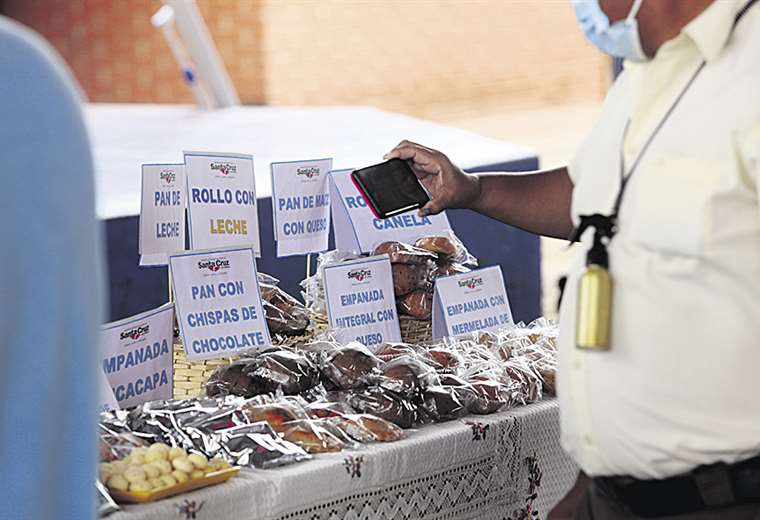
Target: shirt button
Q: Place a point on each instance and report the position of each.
(587, 439)
(577, 364)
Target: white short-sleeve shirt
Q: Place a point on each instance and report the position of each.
(680, 386)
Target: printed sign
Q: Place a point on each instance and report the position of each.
(162, 212)
(301, 206)
(358, 231)
(218, 303)
(470, 302)
(107, 401)
(221, 201)
(361, 305)
(137, 356)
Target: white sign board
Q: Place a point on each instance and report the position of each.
(470, 302)
(218, 301)
(107, 401)
(301, 206)
(361, 305)
(357, 229)
(137, 356)
(162, 212)
(221, 201)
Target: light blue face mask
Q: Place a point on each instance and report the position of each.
(621, 39)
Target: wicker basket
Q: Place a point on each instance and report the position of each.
(416, 331)
(190, 376)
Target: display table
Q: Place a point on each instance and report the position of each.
(492, 466)
(125, 136)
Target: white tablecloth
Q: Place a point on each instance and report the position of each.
(126, 135)
(495, 466)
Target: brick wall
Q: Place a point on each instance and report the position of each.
(412, 55)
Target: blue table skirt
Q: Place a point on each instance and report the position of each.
(134, 289)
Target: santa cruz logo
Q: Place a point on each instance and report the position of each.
(359, 275)
(309, 173)
(168, 176)
(214, 264)
(225, 168)
(135, 333)
(472, 282)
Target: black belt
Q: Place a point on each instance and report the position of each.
(707, 487)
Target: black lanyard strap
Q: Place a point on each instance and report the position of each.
(624, 178)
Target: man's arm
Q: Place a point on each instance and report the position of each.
(538, 202)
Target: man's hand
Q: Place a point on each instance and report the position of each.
(448, 185)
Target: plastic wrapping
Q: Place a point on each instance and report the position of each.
(446, 403)
(277, 415)
(312, 437)
(350, 367)
(389, 351)
(447, 247)
(410, 277)
(313, 289)
(407, 375)
(446, 359)
(490, 396)
(284, 314)
(387, 405)
(417, 304)
(370, 428)
(255, 446)
(401, 253)
(287, 371)
(231, 380)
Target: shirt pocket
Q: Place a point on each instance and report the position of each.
(669, 205)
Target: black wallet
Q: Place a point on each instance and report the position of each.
(390, 188)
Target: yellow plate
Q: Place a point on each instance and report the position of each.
(141, 497)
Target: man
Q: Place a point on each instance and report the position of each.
(50, 298)
(666, 422)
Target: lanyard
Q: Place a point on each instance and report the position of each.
(606, 225)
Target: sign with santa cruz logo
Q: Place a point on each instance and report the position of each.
(301, 206)
(137, 356)
(221, 200)
(361, 305)
(218, 301)
(470, 302)
(162, 212)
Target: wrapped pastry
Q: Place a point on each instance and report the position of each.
(408, 375)
(284, 314)
(324, 410)
(448, 248)
(389, 351)
(417, 304)
(231, 380)
(312, 437)
(385, 404)
(528, 383)
(408, 277)
(448, 269)
(283, 370)
(350, 366)
(490, 396)
(401, 253)
(245, 446)
(275, 414)
(446, 403)
(442, 246)
(446, 359)
(379, 430)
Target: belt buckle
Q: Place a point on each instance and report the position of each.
(714, 485)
